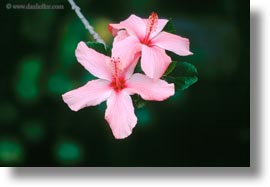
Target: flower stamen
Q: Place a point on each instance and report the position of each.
(118, 82)
(152, 23)
(116, 63)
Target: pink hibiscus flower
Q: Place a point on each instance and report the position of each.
(153, 42)
(115, 84)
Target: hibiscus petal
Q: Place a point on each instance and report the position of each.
(172, 42)
(129, 70)
(154, 61)
(135, 26)
(121, 35)
(91, 94)
(149, 89)
(120, 114)
(114, 28)
(94, 62)
(128, 50)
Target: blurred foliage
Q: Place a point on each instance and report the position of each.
(205, 125)
(32, 30)
(101, 24)
(143, 115)
(72, 32)
(169, 27)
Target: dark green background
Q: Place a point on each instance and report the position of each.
(206, 125)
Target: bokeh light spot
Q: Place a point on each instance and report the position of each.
(27, 82)
(68, 152)
(11, 152)
(8, 113)
(33, 131)
(59, 83)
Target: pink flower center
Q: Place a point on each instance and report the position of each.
(118, 81)
(152, 23)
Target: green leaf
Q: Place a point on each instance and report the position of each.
(170, 68)
(183, 75)
(138, 101)
(169, 27)
(109, 50)
(138, 68)
(99, 47)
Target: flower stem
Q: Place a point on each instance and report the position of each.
(85, 22)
